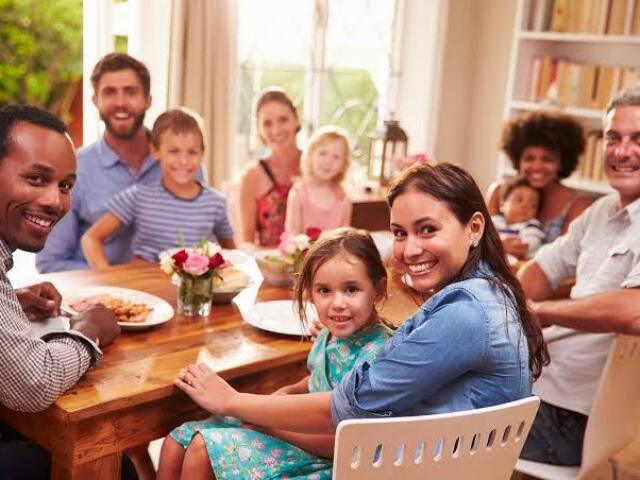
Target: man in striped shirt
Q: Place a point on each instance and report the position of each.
(37, 172)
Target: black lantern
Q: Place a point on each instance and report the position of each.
(385, 144)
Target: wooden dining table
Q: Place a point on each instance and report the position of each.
(129, 399)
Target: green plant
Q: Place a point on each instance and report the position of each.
(40, 53)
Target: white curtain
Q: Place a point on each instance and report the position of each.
(202, 70)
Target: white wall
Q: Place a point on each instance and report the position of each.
(476, 60)
(457, 73)
(421, 58)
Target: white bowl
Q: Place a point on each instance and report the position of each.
(275, 273)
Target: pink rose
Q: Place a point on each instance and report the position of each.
(400, 163)
(196, 264)
(287, 245)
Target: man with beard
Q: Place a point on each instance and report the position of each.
(121, 158)
(37, 173)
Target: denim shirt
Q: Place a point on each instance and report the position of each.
(463, 349)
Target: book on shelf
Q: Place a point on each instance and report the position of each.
(600, 17)
(635, 22)
(630, 77)
(591, 165)
(580, 16)
(586, 85)
(560, 16)
(566, 83)
(617, 17)
(535, 71)
(540, 15)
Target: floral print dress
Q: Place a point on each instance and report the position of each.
(239, 453)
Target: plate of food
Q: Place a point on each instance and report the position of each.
(278, 316)
(135, 310)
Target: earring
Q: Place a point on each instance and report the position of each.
(475, 243)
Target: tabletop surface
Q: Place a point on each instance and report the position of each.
(140, 366)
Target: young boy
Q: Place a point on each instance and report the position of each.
(520, 205)
(177, 210)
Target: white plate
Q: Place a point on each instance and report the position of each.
(161, 310)
(278, 316)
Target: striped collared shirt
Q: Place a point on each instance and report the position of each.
(33, 372)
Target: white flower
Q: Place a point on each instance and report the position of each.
(166, 264)
(210, 249)
(302, 242)
(216, 437)
(244, 453)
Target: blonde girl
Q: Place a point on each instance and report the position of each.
(319, 200)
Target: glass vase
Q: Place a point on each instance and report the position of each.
(194, 296)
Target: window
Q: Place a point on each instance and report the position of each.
(334, 58)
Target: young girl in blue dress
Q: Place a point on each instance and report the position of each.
(344, 278)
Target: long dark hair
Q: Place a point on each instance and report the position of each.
(457, 189)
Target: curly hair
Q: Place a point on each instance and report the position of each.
(558, 133)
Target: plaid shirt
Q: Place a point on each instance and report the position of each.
(34, 373)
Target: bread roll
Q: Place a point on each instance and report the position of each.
(232, 279)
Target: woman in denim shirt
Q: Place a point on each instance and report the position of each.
(471, 345)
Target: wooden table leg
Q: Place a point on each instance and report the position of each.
(104, 468)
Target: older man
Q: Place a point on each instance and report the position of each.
(602, 250)
(37, 173)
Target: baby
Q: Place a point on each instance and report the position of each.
(520, 205)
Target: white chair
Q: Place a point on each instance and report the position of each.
(613, 421)
(482, 444)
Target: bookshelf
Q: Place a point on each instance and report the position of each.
(571, 56)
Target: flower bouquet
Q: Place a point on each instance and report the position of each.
(279, 267)
(195, 268)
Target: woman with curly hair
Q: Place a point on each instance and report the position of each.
(543, 147)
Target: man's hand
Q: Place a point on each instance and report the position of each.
(515, 247)
(97, 323)
(534, 310)
(39, 301)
